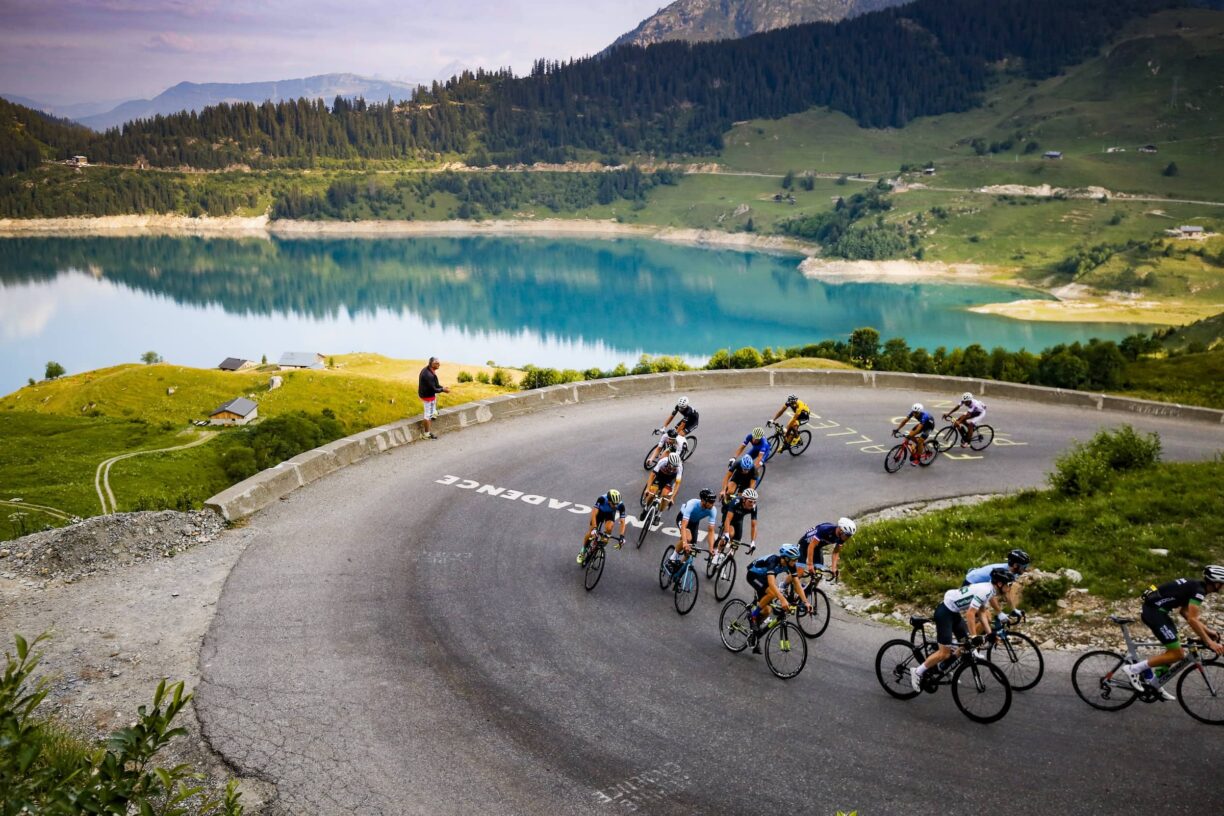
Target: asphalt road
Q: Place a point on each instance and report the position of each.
(398, 639)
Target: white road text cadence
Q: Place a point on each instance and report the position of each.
(536, 500)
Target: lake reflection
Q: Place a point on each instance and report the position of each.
(90, 302)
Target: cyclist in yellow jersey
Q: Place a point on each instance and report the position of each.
(800, 413)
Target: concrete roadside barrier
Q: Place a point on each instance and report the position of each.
(268, 486)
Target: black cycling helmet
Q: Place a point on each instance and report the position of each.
(1020, 557)
(706, 494)
(672, 433)
(1001, 576)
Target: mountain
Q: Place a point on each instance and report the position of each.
(705, 20)
(193, 96)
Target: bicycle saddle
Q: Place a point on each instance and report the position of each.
(1117, 619)
(918, 620)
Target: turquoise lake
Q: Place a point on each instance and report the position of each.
(92, 302)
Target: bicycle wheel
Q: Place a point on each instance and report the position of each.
(690, 446)
(1200, 690)
(665, 577)
(760, 476)
(929, 452)
(651, 513)
(892, 664)
(801, 444)
(895, 458)
(946, 438)
(1098, 680)
(594, 568)
(775, 442)
(686, 590)
(652, 458)
(983, 435)
(785, 650)
(813, 624)
(733, 625)
(981, 691)
(710, 567)
(1019, 658)
(724, 582)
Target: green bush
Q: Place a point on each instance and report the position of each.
(502, 378)
(464, 377)
(239, 463)
(482, 377)
(1088, 467)
(747, 357)
(45, 771)
(1043, 594)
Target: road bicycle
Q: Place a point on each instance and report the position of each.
(1013, 652)
(980, 689)
(812, 623)
(654, 454)
(653, 509)
(596, 553)
(681, 576)
(894, 460)
(794, 444)
(785, 649)
(951, 435)
(721, 566)
(1101, 682)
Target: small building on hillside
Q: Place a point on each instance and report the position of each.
(301, 359)
(928, 171)
(1115, 150)
(238, 411)
(1148, 148)
(1052, 154)
(236, 364)
(78, 161)
(1188, 231)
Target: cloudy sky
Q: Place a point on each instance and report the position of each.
(61, 51)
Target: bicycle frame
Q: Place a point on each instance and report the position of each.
(1192, 657)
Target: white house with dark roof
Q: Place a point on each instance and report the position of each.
(236, 364)
(238, 411)
(301, 359)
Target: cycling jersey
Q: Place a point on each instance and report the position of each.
(969, 597)
(769, 565)
(741, 480)
(676, 445)
(974, 408)
(736, 511)
(604, 506)
(801, 410)
(692, 514)
(690, 415)
(664, 472)
(1175, 595)
(925, 420)
(755, 448)
(822, 535)
(981, 575)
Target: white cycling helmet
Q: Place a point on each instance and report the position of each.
(966, 397)
(682, 402)
(917, 408)
(847, 526)
(749, 494)
(1213, 573)
(673, 459)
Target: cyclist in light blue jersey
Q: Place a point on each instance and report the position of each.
(689, 521)
(1017, 562)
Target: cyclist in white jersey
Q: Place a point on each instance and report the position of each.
(964, 612)
(975, 413)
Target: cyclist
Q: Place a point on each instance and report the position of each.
(764, 575)
(671, 440)
(968, 604)
(741, 475)
(734, 512)
(925, 424)
(813, 542)
(1017, 562)
(606, 510)
(1186, 596)
(689, 521)
(800, 414)
(665, 477)
(755, 445)
(966, 423)
(688, 417)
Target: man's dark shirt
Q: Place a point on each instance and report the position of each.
(428, 386)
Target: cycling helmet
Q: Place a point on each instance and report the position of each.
(758, 433)
(1018, 557)
(847, 526)
(672, 433)
(682, 402)
(966, 397)
(792, 399)
(706, 494)
(1213, 573)
(917, 408)
(745, 462)
(614, 496)
(673, 459)
(749, 494)
(790, 551)
(1001, 576)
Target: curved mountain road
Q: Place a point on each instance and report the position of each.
(411, 635)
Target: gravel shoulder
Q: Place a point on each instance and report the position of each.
(127, 599)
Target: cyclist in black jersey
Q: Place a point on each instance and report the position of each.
(688, 417)
(1185, 595)
(741, 474)
(734, 512)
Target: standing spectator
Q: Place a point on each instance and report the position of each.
(428, 390)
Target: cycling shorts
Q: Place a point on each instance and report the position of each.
(759, 581)
(1162, 626)
(802, 417)
(665, 479)
(694, 525)
(690, 425)
(976, 419)
(737, 528)
(603, 517)
(950, 627)
(924, 431)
